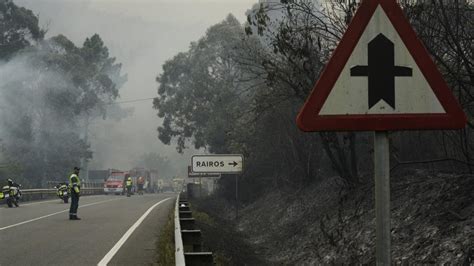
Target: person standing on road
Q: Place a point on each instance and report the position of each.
(75, 186)
(129, 184)
(140, 183)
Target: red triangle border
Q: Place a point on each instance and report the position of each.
(309, 119)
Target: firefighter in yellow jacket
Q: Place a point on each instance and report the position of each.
(75, 187)
(129, 185)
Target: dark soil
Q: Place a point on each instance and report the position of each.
(229, 246)
(432, 223)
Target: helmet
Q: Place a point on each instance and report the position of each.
(129, 178)
(10, 180)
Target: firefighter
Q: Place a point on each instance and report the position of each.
(129, 184)
(140, 183)
(75, 187)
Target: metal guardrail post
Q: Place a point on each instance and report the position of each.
(179, 249)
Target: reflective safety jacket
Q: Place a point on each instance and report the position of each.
(129, 183)
(75, 183)
(60, 189)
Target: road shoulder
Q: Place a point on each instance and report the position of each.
(140, 248)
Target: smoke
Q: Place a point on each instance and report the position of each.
(38, 121)
(25, 91)
(142, 35)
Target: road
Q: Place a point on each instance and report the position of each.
(110, 232)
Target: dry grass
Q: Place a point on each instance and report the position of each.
(165, 243)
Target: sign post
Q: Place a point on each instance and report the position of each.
(200, 187)
(380, 78)
(236, 197)
(382, 197)
(220, 164)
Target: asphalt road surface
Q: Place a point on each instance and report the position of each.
(114, 230)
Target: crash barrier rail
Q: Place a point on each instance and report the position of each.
(84, 184)
(188, 239)
(179, 253)
(38, 194)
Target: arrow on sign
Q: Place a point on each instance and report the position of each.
(381, 71)
(217, 163)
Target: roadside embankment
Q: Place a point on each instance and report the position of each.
(432, 223)
(220, 235)
(165, 243)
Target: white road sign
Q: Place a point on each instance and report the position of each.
(407, 90)
(219, 163)
(380, 78)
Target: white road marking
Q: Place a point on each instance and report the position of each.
(48, 215)
(127, 234)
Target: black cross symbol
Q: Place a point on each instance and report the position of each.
(381, 71)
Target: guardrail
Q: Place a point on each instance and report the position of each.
(179, 249)
(45, 193)
(84, 184)
(188, 241)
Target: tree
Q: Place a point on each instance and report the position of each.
(199, 97)
(306, 32)
(275, 64)
(91, 70)
(218, 96)
(300, 40)
(446, 29)
(154, 160)
(18, 29)
(55, 85)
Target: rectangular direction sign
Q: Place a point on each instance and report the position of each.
(219, 163)
(191, 174)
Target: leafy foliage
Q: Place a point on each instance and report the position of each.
(49, 88)
(274, 61)
(19, 28)
(199, 93)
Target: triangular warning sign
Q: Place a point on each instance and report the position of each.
(380, 77)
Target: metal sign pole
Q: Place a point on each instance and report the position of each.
(382, 197)
(200, 187)
(236, 196)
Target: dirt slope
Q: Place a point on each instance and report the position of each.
(432, 222)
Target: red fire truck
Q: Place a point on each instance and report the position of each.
(115, 183)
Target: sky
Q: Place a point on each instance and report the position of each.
(141, 34)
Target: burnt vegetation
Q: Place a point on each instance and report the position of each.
(238, 90)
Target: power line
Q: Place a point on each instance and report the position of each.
(132, 101)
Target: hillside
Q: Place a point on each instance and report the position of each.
(432, 222)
